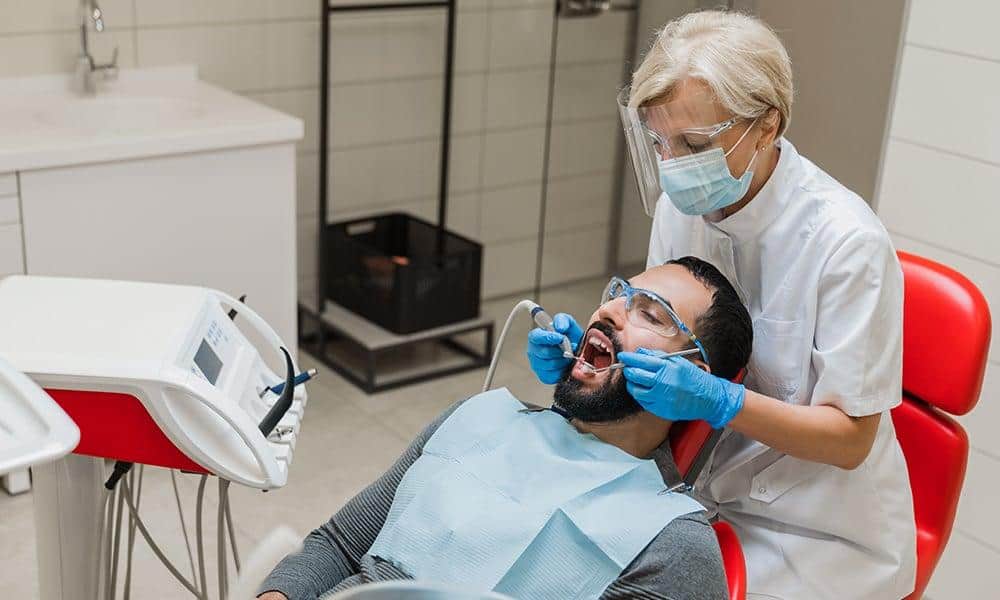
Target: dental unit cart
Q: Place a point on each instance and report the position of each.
(152, 374)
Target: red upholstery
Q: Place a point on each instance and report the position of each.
(687, 439)
(946, 336)
(732, 560)
(944, 315)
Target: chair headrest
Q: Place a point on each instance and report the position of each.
(946, 335)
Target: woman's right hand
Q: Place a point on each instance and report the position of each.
(544, 353)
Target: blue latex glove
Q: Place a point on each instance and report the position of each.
(545, 355)
(675, 388)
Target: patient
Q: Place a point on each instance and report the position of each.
(560, 503)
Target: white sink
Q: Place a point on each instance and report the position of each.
(119, 114)
(145, 112)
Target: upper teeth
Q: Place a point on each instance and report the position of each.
(599, 344)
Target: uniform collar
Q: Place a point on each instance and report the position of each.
(755, 217)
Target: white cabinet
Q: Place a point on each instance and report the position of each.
(11, 249)
(223, 219)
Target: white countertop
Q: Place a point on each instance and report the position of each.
(145, 112)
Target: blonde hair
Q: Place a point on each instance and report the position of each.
(737, 55)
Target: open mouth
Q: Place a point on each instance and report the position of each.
(597, 349)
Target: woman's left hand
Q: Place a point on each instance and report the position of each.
(675, 389)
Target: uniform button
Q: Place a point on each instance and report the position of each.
(762, 490)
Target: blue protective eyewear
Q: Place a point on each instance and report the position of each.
(648, 310)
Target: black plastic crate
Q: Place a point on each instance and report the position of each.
(402, 272)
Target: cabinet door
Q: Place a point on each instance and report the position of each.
(224, 220)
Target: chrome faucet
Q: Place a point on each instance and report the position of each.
(88, 72)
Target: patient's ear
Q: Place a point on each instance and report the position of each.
(701, 365)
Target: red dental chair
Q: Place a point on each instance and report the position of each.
(946, 338)
(691, 444)
(942, 310)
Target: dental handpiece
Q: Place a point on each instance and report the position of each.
(543, 320)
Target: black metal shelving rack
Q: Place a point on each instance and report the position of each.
(331, 321)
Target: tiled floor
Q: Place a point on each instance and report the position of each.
(348, 439)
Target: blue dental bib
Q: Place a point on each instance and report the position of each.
(523, 504)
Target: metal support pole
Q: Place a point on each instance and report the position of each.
(449, 67)
(547, 145)
(324, 138)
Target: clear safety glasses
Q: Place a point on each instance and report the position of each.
(648, 310)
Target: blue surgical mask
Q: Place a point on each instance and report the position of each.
(699, 184)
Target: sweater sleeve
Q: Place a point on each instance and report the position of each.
(332, 552)
(683, 562)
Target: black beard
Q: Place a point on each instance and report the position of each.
(610, 402)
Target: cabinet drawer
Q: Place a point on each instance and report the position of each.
(8, 184)
(9, 211)
(11, 256)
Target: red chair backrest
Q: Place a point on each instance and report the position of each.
(732, 560)
(946, 336)
(687, 440)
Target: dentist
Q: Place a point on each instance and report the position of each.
(808, 471)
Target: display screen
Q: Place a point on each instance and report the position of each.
(208, 361)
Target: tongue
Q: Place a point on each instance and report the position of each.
(601, 360)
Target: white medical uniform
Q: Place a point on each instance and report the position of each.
(819, 274)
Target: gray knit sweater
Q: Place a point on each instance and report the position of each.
(682, 562)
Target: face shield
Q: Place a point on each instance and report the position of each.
(675, 148)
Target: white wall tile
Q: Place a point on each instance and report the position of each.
(574, 255)
(508, 267)
(244, 57)
(397, 173)
(986, 277)
(378, 46)
(966, 26)
(980, 424)
(301, 103)
(980, 498)
(10, 212)
(942, 199)
(34, 54)
(11, 251)
(510, 213)
(967, 570)
(513, 157)
(401, 110)
(463, 214)
(586, 91)
(578, 202)
(465, 163)
(307, 184)
(520, 37)
(949, 102)
(594, 39)
(380, 175)
(471, 35)
(188, 12)
(633, 241)
(516, 98)
(584, 147)
(387, 111)
(37, 16)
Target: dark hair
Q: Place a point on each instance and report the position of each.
(725, 329)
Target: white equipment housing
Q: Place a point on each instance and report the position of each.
(151, 374)
(173, 348)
